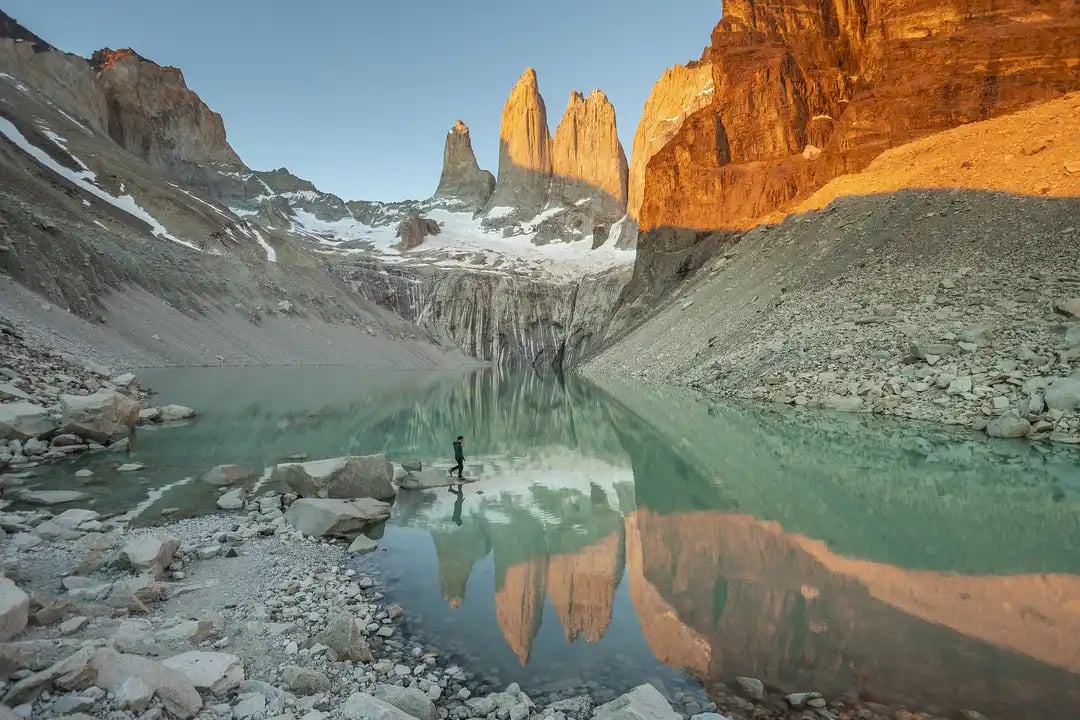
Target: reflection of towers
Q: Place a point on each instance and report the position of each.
(457, 550)
(582, 587)
(519, 605)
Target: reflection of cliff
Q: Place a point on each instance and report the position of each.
(724, 594)
(519, 604)
(457, 550)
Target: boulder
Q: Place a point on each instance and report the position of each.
(1063, 394)
(750, 687)
(1009, 425)
(170, 413)
(213, 671)
(302, 681)
(1069, 307)
(103, 417)
(412, 465)
(24, 420)
(413, 229)
(134, 694)
(65, 525)
(409, 700)
(251, 705)
(345, 635)
(227, 475)
(232, 500)
(362, 545)
(149, 415)
(928, 351)
(319, 517)
(361, 706)
(148, 553)
(14, 609)
(642, 703)
(353, 476)
(175, 690)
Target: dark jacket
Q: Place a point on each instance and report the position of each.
(458, 455)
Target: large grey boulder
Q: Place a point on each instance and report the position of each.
(409, 700)
(172, 413)
(353, 476)
(227, 475)
(1009, 425)
(232, 500)
(642, 703)
(1064, 394)
(24, 420)
(14, 609)
(344, 634)
(361, 706)
(213, 671)
(148, 553)
(103, 417)
(319, 517)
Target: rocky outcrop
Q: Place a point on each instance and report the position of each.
(154, 115)
(524, 154)
(462, 180)
(806, 91)
(413, 229)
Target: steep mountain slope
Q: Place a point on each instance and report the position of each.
(936, 284)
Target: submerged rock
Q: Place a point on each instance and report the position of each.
(227, 475)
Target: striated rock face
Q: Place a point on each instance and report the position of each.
(154, 115)
(524, 152)
(679, 93)
(850, 79)
(587, 159)
(507, 320)
(462, 179)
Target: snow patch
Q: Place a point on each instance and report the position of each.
(18, 85)
(271, 253)
(85, 180)
(499, 212)
(199, 199)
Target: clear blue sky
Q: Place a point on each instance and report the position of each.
(357, 95)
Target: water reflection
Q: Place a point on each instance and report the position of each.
(626, 534)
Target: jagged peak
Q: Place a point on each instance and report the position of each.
(459, 128)
(13, 29)
(576, 98)
(107, 58)
(528, 78)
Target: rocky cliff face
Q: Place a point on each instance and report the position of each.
(154, 115)
(679, 93)
(805, 91)
(462, 179)
(507, 320)
(564, 189)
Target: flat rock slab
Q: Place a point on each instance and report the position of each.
(52, 497)
(642, 703)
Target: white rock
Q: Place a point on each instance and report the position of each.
(251, 705)
(14, 609)
(361, 706)
(134, 694)
(642, 703)
(73, 625)
(104, 416)
(213, 671)
(317, 517)
(148, 553)
(232, 500)
(24, 420)
(175, 412)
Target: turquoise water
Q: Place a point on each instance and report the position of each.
(622, 534)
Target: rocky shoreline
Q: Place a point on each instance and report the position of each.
(243, 616)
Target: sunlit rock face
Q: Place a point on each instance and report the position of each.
(848, 79)
(524, 153)
(582, 587)
(568, 188)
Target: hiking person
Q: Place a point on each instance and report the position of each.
(459, 457)
(456, 490)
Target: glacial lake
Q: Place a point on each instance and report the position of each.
(621, 534)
